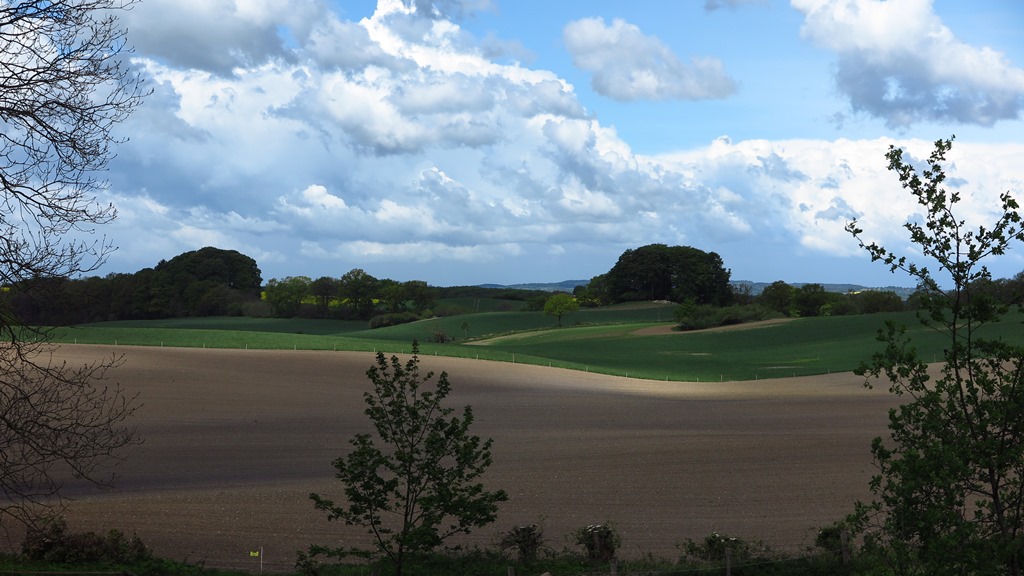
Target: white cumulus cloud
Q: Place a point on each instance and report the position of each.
(629, 65)
(898, 61)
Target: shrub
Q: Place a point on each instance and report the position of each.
(691, 316)
(712, 550)
(256, 309)
(51, 542)
(523, 541)
(394, 319)
(236, 308)
(830, 538)
(536, 304)
(599, 540)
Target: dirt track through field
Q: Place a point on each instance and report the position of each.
(235, 440)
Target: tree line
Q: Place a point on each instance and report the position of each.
(355, 295)
(204, 282)
(782, 300)
(699, 282)
(216, 282)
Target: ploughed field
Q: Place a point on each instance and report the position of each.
(235, 440)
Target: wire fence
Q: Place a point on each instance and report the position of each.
(61, 573)
(732, 561)
(833, 557)
(638, 567)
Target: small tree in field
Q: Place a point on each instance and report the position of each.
(420, 486)
(560, 305)
(949, 493)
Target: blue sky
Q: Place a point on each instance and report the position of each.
(500, 141)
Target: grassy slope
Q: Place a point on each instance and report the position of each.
(488, 324)
(597, 340)
(273, 325)
(800, 347)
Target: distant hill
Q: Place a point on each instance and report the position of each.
(755, 287)
(563, 286)
(758, 287)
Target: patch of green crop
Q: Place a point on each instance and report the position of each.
(469, 305)
(799, 347)
(246, 324)
(490, 324)
(211, 338)
(606, 340)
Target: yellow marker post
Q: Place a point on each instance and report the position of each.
(257, 554)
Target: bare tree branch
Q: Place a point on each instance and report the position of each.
(65, 82)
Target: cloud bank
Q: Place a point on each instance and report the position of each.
(318, 144)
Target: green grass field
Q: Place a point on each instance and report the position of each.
(489, 324)
(273, 325)
(603, 340)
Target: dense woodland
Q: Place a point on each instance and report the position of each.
(660, 272)
(216, 282)
(206, 282)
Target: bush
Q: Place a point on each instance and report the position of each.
(525, 542)
(236, 308)
(536, 303)
(691, 316)
(830, 538)
(600, 541)
(712, 550)
(394, 319)
(743, 314)
(51, 542)
(256, 309)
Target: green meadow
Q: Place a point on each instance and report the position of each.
(610, 340)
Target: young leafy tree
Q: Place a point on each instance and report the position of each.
(420, 484)
(560, 305)
(949, 493)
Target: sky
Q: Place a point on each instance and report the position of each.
(466, 142)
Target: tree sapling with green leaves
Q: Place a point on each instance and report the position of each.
(949, 493)
(560, 305)
(416, 483)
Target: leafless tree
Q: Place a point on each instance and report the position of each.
(65, 82)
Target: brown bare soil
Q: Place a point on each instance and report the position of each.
(235, 440)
